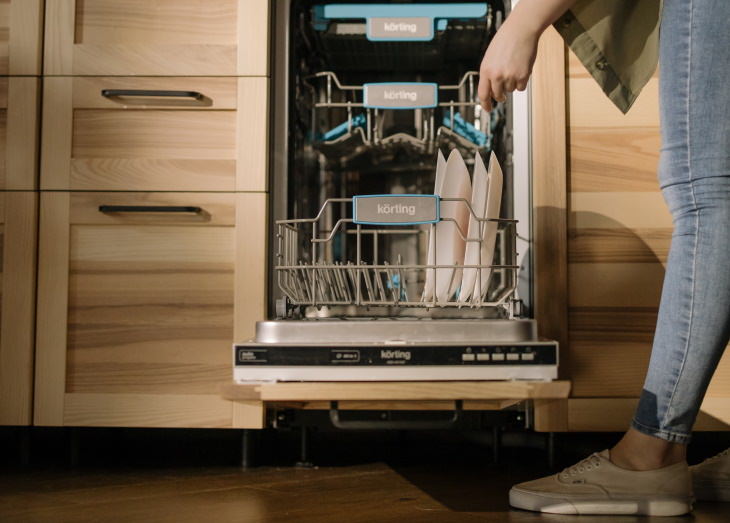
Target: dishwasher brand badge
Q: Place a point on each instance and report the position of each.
(394, 29)
(401, 209)
(406, 95)
(395, 356)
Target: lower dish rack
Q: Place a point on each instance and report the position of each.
(347, 265)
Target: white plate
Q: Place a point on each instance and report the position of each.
(451, 235)
(479, 188)
(431, 258)
(489, 234)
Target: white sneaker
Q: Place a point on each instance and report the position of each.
(711, 478)
(597, 486)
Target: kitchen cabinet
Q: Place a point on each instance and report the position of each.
(19, 102)
(122, 133)
(18, 230)
(140, 296)
(157, 37)
(20, 37)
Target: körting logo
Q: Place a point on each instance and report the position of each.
(396, 208)
(401, 94)
(399, 27)
(395, 354)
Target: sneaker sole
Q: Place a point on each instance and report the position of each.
(637, 507)
(718, 490)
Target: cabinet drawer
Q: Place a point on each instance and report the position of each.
(18, 226)
(157, 37)
(20, 37)
(109, 134)
(144, 293)
(19, 101)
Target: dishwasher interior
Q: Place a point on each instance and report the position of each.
(365, 99)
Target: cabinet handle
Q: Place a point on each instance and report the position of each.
(150, 208)
(113, 93)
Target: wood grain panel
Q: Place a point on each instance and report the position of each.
(21, 135)
(550, 187)
(610, 210)
(149, 144)
(611, 367)
(148, 308)
(164, 37)
(17, 303)
(619, 245)
(615, 284)
(51, 309)
(634, 324)
(147, 410)
(605, 159)
(20, 37)
(154, 134)
(588, 107)
(614, 414)
(396, 390)
(605, 367)
(3, 129)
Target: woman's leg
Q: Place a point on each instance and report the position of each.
(694, 316)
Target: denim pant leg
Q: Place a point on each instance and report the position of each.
(694, 172)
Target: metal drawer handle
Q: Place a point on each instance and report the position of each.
(150, 208)
(115, 93)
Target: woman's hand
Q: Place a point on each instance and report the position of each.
(507, 64)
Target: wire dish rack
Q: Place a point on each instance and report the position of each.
(343, 262)
(349, 119)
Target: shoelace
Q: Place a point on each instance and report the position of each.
(591, 462)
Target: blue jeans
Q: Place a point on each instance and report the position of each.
(694, 173)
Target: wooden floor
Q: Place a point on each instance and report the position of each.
(450, 485)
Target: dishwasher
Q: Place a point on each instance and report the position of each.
(365, 98)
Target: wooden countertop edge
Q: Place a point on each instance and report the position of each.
(396, 390)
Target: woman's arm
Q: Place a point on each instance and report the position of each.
(507, 64)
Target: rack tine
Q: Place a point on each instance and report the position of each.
(378, 277)
(394, 290)
(368, 284)
(403, 291)
(342, 284)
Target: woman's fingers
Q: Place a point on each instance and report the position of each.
(509, 85)
(485, 92)
(498, 90)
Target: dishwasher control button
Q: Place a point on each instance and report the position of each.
(467, 357)
(528, 356)
(498, 356)
(512, 356)
(483, 356)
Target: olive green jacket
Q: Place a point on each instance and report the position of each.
(617, 41)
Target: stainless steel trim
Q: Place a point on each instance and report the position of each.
(339, 332)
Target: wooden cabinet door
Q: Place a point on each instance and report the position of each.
(140, 298)
(157, 37)
(106, 133)
(19, 100)
(18, 229)
(20, 37)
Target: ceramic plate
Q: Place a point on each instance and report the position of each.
(489, 233)
(479, 187)
(452, 229)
